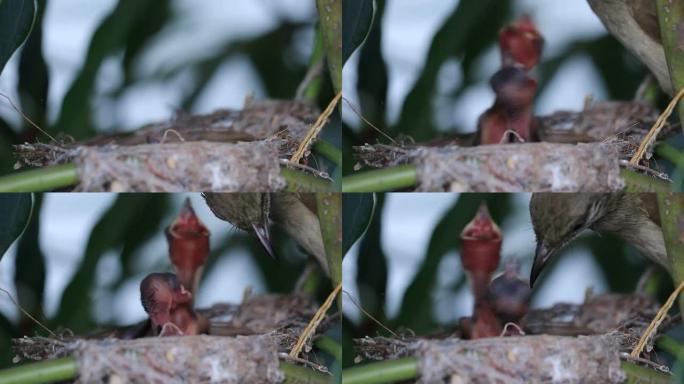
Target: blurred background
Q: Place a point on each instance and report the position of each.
(92, 67)
(406, 271)
(424, 69)
(80, 262)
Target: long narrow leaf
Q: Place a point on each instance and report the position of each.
(16, 21)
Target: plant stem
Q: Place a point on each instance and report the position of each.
(386, 179)
(671, 153)
(330, 15)
(295, 374)
(302, 182)
(387, 371)
(637, 374)
(64, 175)
(312, 80)
(40, 179)
(65, 369)
(329, 206)
(638, 182)
(671, 20)
(671, 345)
(40, 372)
(328, 344)
(328, 151)
(671, 207)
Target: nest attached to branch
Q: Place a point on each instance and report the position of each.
(191, 359)
(580, 151)
(225, 151)
(533, 167)
(582, 343)
(244, 344)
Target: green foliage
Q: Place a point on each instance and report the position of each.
(16, 21)
(15, 210)
(357, 210)
(371, 265)
(357, 18)
(330, 17)
(454, 39)
(671, 20)
(34, 78)
(29, 270)
(111, 36)
(329, 207)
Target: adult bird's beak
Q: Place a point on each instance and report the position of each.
(541, 258)
(264, 236)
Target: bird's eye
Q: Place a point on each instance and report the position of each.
(577, 227)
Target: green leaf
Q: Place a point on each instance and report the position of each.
(371, 265)
(373, 80)
(16, 21)
(357, 19)
(111, 37)
(34, 79)
(15, 211)
(29, 270)
(357, 210)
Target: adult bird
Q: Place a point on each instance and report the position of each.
(295, 213)
(559, 218)
(635, 24)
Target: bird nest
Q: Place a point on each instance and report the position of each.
(533, 167)
(580, 151)
(246, 342)
(574, 343)
(227, 150)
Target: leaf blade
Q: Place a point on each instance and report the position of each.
(15, 209)
(16, 21)
(357, 211)
(357, 19)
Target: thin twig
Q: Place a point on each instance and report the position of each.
(511, 325)
(368, 314)
(319, 368)
(315, 320)
(650, 171)
(26, 313)
(315, 129)
(166, 134)
(659, 367)
(313, 72)
(27, 119)
(655, 323)
(508, 133)
(170, 325)
(314, 171)
(353, 108)
(646, 82)
(657, 127)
